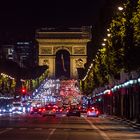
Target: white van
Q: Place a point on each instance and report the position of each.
(17, 107)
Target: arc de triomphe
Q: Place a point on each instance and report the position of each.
(63, 50)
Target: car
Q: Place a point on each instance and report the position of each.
(17, 107)
(73, 112)
(59, 110)
(83, 109)
(6, 109)
(27, 106)
(36, 110)
(49, 110)
(92, 112)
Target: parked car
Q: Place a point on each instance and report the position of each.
(92, 112)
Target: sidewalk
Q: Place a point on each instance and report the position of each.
(133, 124)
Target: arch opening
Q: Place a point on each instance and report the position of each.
(62, 64)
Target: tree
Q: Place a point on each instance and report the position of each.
(136, 37)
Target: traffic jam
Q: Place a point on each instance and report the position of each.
(52, 98)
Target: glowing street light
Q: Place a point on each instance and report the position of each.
(108, 35)
(103, 44)
(120, 8)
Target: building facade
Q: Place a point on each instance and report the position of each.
(63, 50)
(7, 51)
(26, 54)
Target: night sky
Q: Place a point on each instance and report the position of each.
(22, 17)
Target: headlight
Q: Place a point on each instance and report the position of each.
(24, 110)
(13, 108)
(20, 108)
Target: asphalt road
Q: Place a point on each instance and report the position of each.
(35, 127)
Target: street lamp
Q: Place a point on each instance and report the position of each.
(108, 34)
(120, 8)
(105, 39)
(103, 44)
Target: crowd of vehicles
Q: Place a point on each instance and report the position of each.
(45, 102)
(6, 109)
(49, 110)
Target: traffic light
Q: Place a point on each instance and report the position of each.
(23, 90)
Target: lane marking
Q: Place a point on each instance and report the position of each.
(38, 128)
(53, 130)
(9, 128)
(6, 130)
(103, 134)
(23, 128)
(51, 133)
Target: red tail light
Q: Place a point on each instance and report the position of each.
(55, 106)
(40, 109)
(53, 110)
(97, 112)
(43, 109)
(31, 108)
(88, 111)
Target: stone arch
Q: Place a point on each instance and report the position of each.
(56, 49)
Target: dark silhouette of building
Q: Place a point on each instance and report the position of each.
(26, 53)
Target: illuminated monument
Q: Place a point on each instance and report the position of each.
(63, 50)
